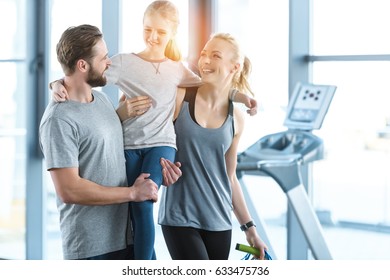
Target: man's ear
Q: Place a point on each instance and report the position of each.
(82, 65)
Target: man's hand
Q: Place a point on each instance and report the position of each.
(144, 189)
(171, 171)
(133, 107)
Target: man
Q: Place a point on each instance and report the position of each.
(82, 142)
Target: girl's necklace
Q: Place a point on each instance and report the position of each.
(156, 67)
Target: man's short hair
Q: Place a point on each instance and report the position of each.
(76, 43)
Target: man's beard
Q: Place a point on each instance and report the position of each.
(96, 79)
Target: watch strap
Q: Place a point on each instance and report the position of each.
(246, 226)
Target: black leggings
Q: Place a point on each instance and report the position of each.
(186, 243)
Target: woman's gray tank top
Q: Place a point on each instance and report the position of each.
(202, 197)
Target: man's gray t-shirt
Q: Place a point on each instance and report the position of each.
(88, 136)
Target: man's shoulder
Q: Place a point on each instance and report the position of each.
(56, 111)
(99, 95)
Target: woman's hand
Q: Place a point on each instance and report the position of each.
(254, 240)
(133, 107)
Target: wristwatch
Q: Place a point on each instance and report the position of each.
(249, 224)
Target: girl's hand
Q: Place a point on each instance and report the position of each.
(248, 101)
(252, 105)
(59, 92)
(133, 107)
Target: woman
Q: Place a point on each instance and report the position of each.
(195, 212)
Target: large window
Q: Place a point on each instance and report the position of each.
(354, 55)
(13, 71)
(60, 20)
(350, 27)
(261, 28)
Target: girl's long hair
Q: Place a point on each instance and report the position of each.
(169, 12)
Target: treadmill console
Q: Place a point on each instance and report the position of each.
(306, 111)
(308, 106)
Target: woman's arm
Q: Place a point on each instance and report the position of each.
(239, 205)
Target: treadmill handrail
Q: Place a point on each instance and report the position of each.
(256, 165)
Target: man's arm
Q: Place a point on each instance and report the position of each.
(171, 171)
(72, 189)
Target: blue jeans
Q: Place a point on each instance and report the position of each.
(139, 161)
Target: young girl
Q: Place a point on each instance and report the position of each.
(155, 72)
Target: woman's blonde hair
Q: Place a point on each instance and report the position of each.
(169, 12)
(241, 78)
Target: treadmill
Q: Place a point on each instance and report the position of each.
(281, 156)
